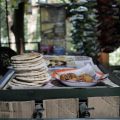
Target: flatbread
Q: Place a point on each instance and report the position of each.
(44, 74)
(41, 82)
(26, 56)
(28, 79)
(24, 83)
(27, 61)
(31, 68)
(31, 73)
(29, 64)
(35, 83)
(20, 86)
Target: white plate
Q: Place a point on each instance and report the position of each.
(78, 84)
(86, 69)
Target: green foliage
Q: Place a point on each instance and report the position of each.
(3, 29)
(14, 3)
(84, 23)
(66, 1)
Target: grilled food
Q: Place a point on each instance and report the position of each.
(80, 78)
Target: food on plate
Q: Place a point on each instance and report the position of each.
(86, 78)
(73, 76)
(61, 70)
(69, 76)
(54, 63)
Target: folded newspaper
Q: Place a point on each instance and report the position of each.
(68, 61)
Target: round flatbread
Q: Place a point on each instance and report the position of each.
(41, 82)
(28, 64)
(25, 83)
(32, 79)
(12, 85)
(31, 73)
(26, 56)
(31, 68)
(27, 61)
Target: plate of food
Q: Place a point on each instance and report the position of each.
(83, 77)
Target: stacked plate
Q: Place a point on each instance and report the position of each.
(30, 70)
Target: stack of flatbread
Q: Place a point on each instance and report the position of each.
(30, 70)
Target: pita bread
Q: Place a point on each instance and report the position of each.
(41, 78)
(28, 64)
(34, 78)
(31, 68)
(31, 73)
(25, 83)
(26, 57)
(20, 86)
(27, 61)
(42, 82)
(36, 83)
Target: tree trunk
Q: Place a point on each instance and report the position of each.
(0, 25)
(18, 27)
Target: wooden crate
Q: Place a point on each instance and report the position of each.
(17, 109)
(105, 107)
(61, 108)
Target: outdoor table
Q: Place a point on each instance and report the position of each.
(62, 92)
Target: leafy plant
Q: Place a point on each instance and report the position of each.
(83, 33)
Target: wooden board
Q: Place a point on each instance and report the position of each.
(17, 109)
(61, 108)
(105, 107)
